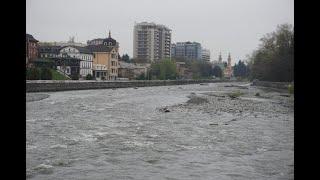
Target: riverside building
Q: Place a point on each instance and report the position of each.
(151, 42)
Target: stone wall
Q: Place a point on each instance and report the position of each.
(278, 85)
(54, 85)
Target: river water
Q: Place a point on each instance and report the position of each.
(122, 134)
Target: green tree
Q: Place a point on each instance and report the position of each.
(46, 74)
(125, 58)
(165, 69)
(217, 71)
(240, 69)
(89, 77)
(273, 60)
(75, 76)
(33, 73)
(141, 77)
(200, 69)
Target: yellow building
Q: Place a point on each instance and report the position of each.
(105, 59)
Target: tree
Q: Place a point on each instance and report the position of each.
(240, 69)
(125, 58)
(89, 77)
(75, 76)
(165, 69)
(274, 59)
(46, 74)
(200, 69)
(217, 71)
(141, 77)
(33, 73)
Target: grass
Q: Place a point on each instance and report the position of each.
(57, 76)
(291, 89)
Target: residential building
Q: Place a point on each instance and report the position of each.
(105, 58)
(47, 51)
(205, 55)
(82, 53)
(151, 42)
(31, 48)
(187, 50)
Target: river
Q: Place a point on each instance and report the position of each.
(123, 134)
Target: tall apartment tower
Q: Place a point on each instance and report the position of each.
(151, 41)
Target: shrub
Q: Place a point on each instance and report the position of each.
(75, 77)
(33, 73)
(89, 77)
(46, 74)
(103, 78)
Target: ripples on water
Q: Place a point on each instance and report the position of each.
(121, 134)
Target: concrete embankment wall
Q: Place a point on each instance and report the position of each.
(52, 85)
(278, 85)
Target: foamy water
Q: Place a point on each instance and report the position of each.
(121, 134)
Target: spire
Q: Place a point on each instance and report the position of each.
(220, 58)
(229, 59)
(109, 34)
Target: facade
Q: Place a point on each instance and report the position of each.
(81, 53)
(31, 48)
(151, 42)
(187, 50)
(105, 58)
(48, 51)
(205, 55)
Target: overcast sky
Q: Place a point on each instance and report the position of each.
(233, 26)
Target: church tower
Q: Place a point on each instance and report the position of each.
(228, 70)
(229, 60)
(220, 58)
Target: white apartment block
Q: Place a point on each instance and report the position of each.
(151, 41)
(205, 55)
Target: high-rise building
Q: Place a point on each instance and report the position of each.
(187, 50)
(205, 55)
(151, 42)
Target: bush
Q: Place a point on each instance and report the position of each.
(33, 73)
(46, 74)
(103, 78)
(89, 77)
(141, 77)
(75, 77)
